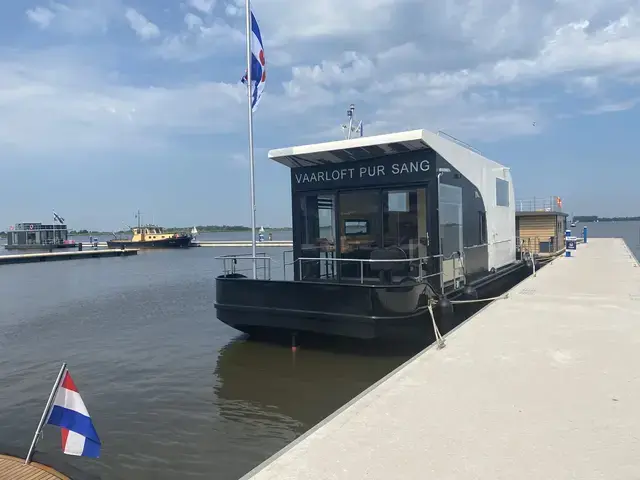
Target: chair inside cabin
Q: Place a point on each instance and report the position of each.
(389, 271)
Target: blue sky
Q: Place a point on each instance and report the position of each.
(113, 105)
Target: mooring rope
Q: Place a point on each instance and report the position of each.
(439, 338)
(477, 300)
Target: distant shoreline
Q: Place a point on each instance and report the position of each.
(592, 219)
(200, 228)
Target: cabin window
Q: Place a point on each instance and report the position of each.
(502, 193)
(482, 227)
(356, 227)
(357, 209)
(317, 236)
(405, 221)
(450, 219)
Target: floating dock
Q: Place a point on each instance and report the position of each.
(542, 384)
(12, 468)
(65, 255)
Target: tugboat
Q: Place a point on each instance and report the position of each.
(384, 228)
(151, 236)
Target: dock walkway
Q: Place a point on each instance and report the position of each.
(12, 468)
(64, 255)
(542, 385)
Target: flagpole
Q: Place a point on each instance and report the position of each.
(45, 414)
(251, 162)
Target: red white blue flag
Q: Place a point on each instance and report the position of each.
(79, 437)
(258, 65)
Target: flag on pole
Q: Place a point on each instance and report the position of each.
(58, 217)
(258, 65)
(79, 437)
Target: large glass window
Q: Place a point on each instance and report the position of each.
(359, 224)
(502, 193)
(450, 219)
(405, 221)
(318, 237)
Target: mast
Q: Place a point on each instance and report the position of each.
(251, 162)
(348, 128)
(140, 226)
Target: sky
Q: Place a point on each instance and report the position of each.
(110, 106)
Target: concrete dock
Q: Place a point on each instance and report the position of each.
(12, 468)
(64, 255)
(544, 384)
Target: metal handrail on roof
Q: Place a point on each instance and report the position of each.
(539, 204)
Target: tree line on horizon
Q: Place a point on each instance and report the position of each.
(595, 218)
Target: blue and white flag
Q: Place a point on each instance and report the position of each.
(258, 65)
(79, 437)
(58, 217)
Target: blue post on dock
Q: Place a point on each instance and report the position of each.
(584, 234)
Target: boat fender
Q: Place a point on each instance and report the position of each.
(233, 275)
(445, 305)
(30, 227)
(470, 292)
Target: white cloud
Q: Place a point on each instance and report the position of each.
(141, 25)
(41, 16)
(398, 87)
(76, 17)
(192, 21)
(60, 106)
(200, 40)
(204, 6)
(474, 68)
(232, 10)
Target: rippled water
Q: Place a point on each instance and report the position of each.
(173, 392)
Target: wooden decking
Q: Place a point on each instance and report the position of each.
(12, 468)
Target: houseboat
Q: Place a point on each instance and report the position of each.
(384, 229)
(38, 236)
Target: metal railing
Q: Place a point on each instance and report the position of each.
(262, 260)
(539, 204)
(286, 264)
(458, 272)
(362, 261)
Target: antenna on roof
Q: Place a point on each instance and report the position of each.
(348, 129)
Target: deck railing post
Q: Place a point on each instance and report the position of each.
(361, 271)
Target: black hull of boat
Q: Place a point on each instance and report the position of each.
(179, 242)
(271, 308)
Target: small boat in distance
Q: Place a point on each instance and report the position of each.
(151, 236)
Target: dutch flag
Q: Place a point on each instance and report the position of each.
(79, 437)
(258, 65)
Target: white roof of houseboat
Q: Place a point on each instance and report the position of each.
(363, 148)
